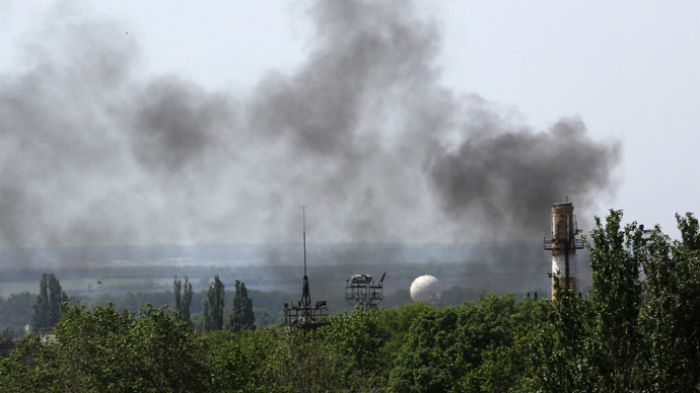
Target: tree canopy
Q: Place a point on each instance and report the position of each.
(214, 306)
(242, 316)
(47, 309)
(183, 298)
(638, 330)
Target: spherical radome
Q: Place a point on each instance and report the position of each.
(425, 289)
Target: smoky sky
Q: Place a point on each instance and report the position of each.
(95, 152)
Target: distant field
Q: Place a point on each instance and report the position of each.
(517, 267)
(90, 286)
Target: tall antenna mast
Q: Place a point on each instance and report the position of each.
(305, 292)
(303, 220)
(301, 313)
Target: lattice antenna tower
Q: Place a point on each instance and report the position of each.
(302, 314)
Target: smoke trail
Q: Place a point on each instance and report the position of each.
(94, 153)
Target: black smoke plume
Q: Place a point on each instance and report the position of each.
(94, 152)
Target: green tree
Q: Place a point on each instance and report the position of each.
(670, 317)
(512, 367)
(303, 361)
(356, 340)
(561, 349)
(183, 300)
(214, 306)
(357, 335)
(396, 322)
(19, 372)
(444, 345)
(47, 309)
(242, 316)
(593, 343)
(631, 333)
(616, 259)
(6, 342)
(238, 362)
(108, 351)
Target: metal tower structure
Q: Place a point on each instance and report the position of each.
(301, 314)
(361, 290)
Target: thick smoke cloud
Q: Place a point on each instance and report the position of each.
(93, 152)
(175, 123)
(512, 176)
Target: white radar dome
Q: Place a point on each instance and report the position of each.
(425, 289)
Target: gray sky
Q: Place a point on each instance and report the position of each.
(628, 69)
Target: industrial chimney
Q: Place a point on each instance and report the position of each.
(563, 244)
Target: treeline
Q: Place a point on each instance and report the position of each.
(638, 330)
(242, 316)
(16, 310)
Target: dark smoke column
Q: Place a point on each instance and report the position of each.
(563, 245)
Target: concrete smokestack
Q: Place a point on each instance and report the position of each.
(563, 244)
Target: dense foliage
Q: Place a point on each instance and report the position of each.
(242, 316)
(214, 306)
(183, 298)
(637, 331)
(47, 309)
